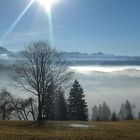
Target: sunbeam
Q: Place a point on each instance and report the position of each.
(50, 27)
(17, 20)
(47, 5)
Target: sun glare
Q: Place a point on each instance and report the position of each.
(47, 4)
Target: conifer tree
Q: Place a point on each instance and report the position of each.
(77, 106)
(104, 112)
(114, 117)
(128, 111)
(100, 113)
(122, 112)
(48, 103)
(138, 115)
(60, 106)
(94, 113)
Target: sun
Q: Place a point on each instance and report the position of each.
(47, 4)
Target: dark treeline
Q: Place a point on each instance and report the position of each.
(103, 112)
(55, 105)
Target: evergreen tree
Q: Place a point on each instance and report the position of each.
(60, 106)
(128, 111)
(138, 115)
(106, 113)
(48, 102)
(122, 112)
(100, 113)
(114, 117)
(77, 106)
(94, 113)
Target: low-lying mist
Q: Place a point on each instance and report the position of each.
(114, 85)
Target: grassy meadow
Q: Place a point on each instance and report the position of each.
(21, 130)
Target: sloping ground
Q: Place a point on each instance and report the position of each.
(125, 130)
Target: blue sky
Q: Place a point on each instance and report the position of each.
(110, 26)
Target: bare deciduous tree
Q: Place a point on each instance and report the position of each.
(6, 104)
(39, 64)
(25, 109)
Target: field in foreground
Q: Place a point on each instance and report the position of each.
(122, 130)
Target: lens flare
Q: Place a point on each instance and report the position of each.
(10, 29)
(47, 4)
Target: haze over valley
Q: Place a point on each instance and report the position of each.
(109, 78)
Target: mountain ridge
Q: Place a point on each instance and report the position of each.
(73, 53)
(78, 58)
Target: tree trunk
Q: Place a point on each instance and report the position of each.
(39, 118)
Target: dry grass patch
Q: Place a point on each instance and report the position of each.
(21, 130)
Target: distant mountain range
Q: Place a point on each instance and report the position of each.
(77, 58)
